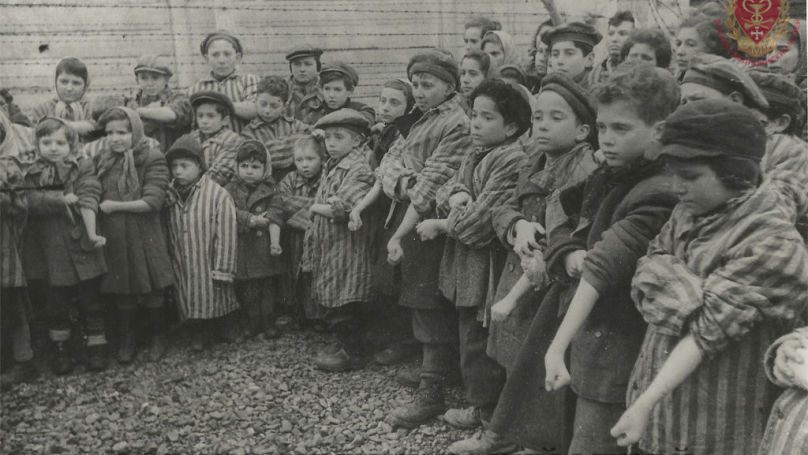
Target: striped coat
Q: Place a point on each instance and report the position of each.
(786, 163)
(298, 195)
(13, 206)
(787, 431)
(203, 245)
(734, 280)
(74, 112)
(168, 132)
(302, 99)
(340, 259)
(219, 152)
(238, 87)
(92, 149)
(278, 137)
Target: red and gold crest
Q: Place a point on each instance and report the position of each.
(756, 25)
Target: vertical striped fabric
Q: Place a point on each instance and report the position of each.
(238, 87)
(750, 268)
(297, 106)
(12, 223)
(219, 151)
(74, 112)
(786, 163)
(278, 137)
(340, 259)
(298, 196)
(92, 149)
(202, 233)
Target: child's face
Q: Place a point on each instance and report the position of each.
(185, 170)
(540, 59)
(698, 187)
(307, 161)
(556, 128)
(392, 105)
(471, 75)
(624, 136)
(429, 91)
(472, 38)
(304, 69)
(688, 44)
(269, 107)
(789, 61)
(340, 141)
(251, 171)
(335, 94)
(691, 91)
(119, 135)
(617, 35)
(222, 57)
(488, 127)
(641, 53)
(69, 87)
(495, 53)
(151, 83)
(209, 120)
(568, 59)
(54, 147)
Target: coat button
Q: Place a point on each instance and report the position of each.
(598, 334)
(510, 266)
(635, 386)
(780, 414)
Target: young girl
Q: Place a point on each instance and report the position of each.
(475, 30)
(134, 179)
(647, 45)
(61, 246)
(474, 69)
(726, 276)
(202, 242)
(500, 49)
(697, 34)
(537, 65)
(340, 259)
(72, 81)
(223, 53)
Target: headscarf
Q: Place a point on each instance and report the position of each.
(508, 49)
(18, 140)
(72, 112)
(51, 172)
(404, 86)
(799, 28)
(128, 183)
(249, 148)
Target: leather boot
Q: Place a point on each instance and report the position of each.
(126, 347)
(158, 344)
(427, 403)
(62, 362)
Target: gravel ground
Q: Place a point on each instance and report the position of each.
(253, 397)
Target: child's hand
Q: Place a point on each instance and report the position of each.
(557, 375)
(275, 250)
(70, 198)
(502, 309)
(525, 244)
(377, 128)
(394, 251)
(428, 229)
(107, 207)
(97, 240)
(788, 355)
(631, 425)
(535, 269)
(259, 221)
(458, 200)
(574, 263)
(318, 134)
(355, 220)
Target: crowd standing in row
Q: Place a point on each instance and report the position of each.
(643, 224)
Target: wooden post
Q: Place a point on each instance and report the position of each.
(550, 6)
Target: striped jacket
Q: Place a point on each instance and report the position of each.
(279, 137)
(93, 149)
(787, 430)
(165, 132)
(13, 206)
(73, 112)
(734, 280)
(219, 151)
(298, 195)
(786, 163)
(203, 245)
(302, 99)
(237, 86)
(428, 157)
(340, 259)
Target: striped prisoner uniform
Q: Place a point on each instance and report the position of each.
(279, 137)
(238, 87)
(219, 152)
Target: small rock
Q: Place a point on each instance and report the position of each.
(286, 426)
(173, 435)
(92, 418)
(120, 447)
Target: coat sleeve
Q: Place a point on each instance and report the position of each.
(223, 169)
(225, 241)
(275, 209)
(250, 88)
(87, 186)
(391, 169)
(181, 107)
(295, 207)
(357, 183)
(155, 181)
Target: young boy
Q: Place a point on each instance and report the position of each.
(259, 214)
(614, 214)
(337, 83)
(72, 80)
(223, 53)
(166, 114)
(304, 81)
(202, 230)
(472, 258)
(340, 259)
(212, 111)
(570, 47)
(620, 27)
(277, 131)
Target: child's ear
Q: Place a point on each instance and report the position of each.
(511, 129)
(736, 97)
(779, 124)
(582, 132)
(590, 60)
(658, 127)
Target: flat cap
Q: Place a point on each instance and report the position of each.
(341, 68)
(711, 127)
(579, 99)
(577, 32)
(437, 63)
(726, 77)
(345, 118)
(304, 50)
(152, 63)
(778, 89)
(223, 35)
(212, 97)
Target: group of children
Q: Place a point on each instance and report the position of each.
(645, 229)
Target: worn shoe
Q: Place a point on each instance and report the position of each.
(336, 361)
(397, 353)
(97, 357)
(464, 419)
(126, 350)
(62, 362)
(483, 443)
(409, 376)
(427, 403)
(157, 347)
(20, 372)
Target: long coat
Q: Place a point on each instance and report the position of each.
(13, 214)
(203, 245)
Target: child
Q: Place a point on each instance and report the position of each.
(61, 246)
(298, 189)
(500, 49)
(472, 258)
(570, 47)
(273, 128)
(614, 215)
(15, 315)
(166, 114)
(202, 230)
(785, 363)
(304, 82)
(521, 323)
(513, 74)
(134, 178)
(258, 212)
(223, 53)
(337, 83)
(619, 28)
(212, 111)
(475, 29)
(340, 259)
(725, 277)
(16, 140)
(69, 104)
(697, 34)
(474, 69)
(647, 45)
